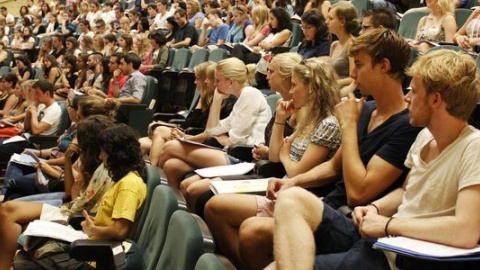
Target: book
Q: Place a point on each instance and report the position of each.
(240, 186)
(185, 140)
(426, 250)
(229, 46)
(5, 123)
(13, 139)
(216, 171)
(54, 230)
(26, 159)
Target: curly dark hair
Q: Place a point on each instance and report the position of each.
(120, 142)
(283, 19)
(88, 136)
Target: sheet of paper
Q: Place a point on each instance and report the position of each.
(423, 249)
(237, 169)
(53, 230)
(14, 139)
(240, 186)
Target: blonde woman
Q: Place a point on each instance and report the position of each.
(245, 124)
(261, 29)
(469, 34)
(194, 14)
(204, 80)
(439, 26)
(142, 46)
(98, 43)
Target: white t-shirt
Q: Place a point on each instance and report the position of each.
(9, 18)
(432, 188)
(51, 116)
(161, 21)
(248, 119)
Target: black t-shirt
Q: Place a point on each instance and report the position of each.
(390, 141)
(59, 53)
(187, 31)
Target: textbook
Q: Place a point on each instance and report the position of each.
(54, 230)
(240, 186)
(426, 250)
(5, 123)
(28, 158)
(226, 170)
(229, 46)
(185, 140)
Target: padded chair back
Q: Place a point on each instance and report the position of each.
(297, 35)
(10, 59)
(448, 47)
(154, 231)
(272, 102)
(38, 73)
(408, 24)
(150, 90)
(294, 49)
(153, 180)
(198, 57)
(361, 6)
(4, 70)
(181, 59)
(64, 118)
(461, 16)
(171, 56)
(185, 242)
(210, 261)
(217, 55)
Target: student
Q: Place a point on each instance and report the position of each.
(185, 35)
(245, 125)
(375, 140)
(92, 181)
(439, 202)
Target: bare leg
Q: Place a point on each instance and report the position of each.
(224, 214)
(145, 145)
(297, 215)
(256, 241)
(13, 215)
(160, 135)
(175, 169)
(194, 190)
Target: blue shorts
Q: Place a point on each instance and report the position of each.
(232, 160)
(340, 246)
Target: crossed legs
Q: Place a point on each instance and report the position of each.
(13, 216)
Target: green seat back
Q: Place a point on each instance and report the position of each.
(408, 24)
(210, 261)
(184, 243)
(198, 57)
(461, 16)
(361, 6)
(154, 231)
(153, 180)
(297, 35)
(217, 55)
(181, 59)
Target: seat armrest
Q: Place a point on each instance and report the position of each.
(166, 117)
(193, 131)
(132, 107)
(40, 139)
(176, 121)
(75, 220)
(267, 168)
(241, 151)
(278, 50)
(106, 254)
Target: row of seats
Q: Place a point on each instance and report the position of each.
(167, 236)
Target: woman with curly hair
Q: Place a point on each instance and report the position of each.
(321, 5)
(86, 187)
(45, 49)
(51, 70)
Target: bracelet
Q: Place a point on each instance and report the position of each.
(279, 123)
(376, 207)
(61, 176)
(386, 227)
